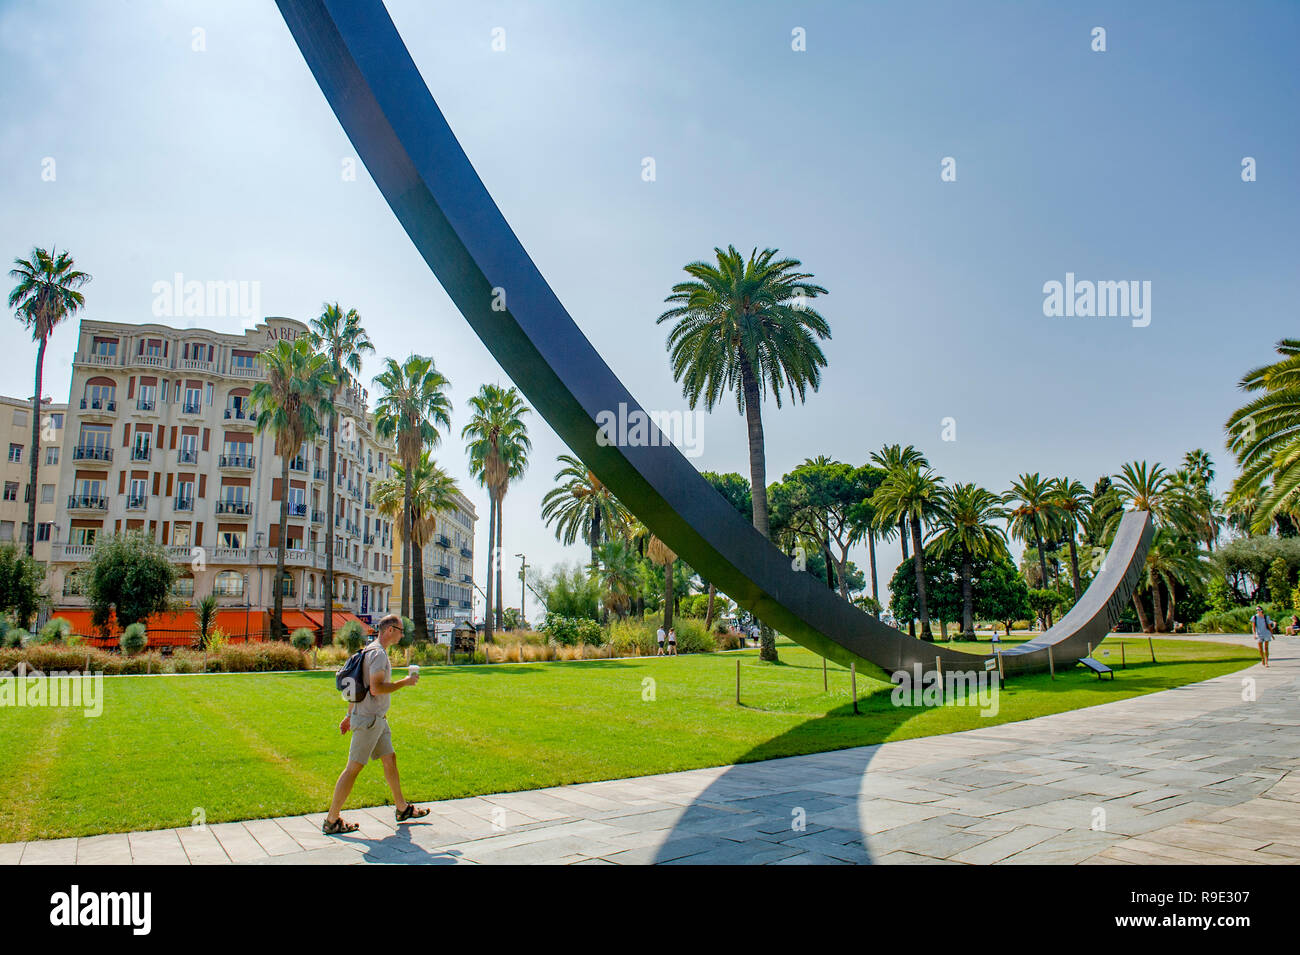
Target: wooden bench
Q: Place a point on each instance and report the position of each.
(1097, 667)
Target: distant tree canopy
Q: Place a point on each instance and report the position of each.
(22, 585)
(997, 590)
(129, 576)
(1246, 561)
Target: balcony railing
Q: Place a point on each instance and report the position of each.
(136, 502)
(241, 461)
(240, 371)
(184, 504)
(466, 579)
(149, 361)
(99, 404)
(193, 408)
(145, 405)
(443, 571)
(368, 540)
(187, 456)
(91, 453)
(297, 510)
(139, 453)
(195, 364)
(318, 517)
(444, 540)
(87, 502)
(235, 508)
(92, 358)
(238, 414)
(297, 464)
(319, 474)
(466, 552)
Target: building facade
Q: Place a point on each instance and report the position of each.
(448, 566)
(15, 418)
(162, 438)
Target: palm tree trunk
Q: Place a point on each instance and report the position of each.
(708, 613)
(277, 589)
(328, 635)
(1157, 607)
(1042, 558)
(967, 598)
(1074, 566)
(595, 533)
(902, 537)
(408, 549)
(32, 465)
(1141, 613)
(419, 608)
(832, 571)
(871, 549)
(918, 562)
(496, 553)
(1169, 617)
(668, 595)
(757, 482)
(487, 594)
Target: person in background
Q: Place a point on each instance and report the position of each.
(672, 641)
(1262, 627)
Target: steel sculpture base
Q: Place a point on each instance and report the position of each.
(362, 66)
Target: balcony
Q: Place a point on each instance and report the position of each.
(93, 358)
(238, 414)
(466, 552)
(97, 407)
(187, 456)
(149, 361)
(87, 502)
(71, 552)
(319, 474)
(317, 517)
(464, 604)
(143, 404)
(444, 602)
(192, 408)
(136, 502)
(244, 371)
(368, 540)
(298, 464)
(297, 510)
(444, 540)
(236, 462)
(141, 453)
(184, 504)
(442, 571)
(235, 508)
(369, 506)
(92, 453)
(195, 364)
(466, 579)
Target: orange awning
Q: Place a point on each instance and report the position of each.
(234, 623)
(293, 619)
(340, 618)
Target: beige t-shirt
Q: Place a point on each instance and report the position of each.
(378, 668)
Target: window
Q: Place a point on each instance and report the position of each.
(57, 420)
(140, 448)
(139, 492)
(101, 397)
(105, 349)
(52, 455)
(47, 493)
(82, 535)
(43, 531)
(96, 436)
(20, 419)
(16, 453)
(11, 490)
(148, 397)
(286, 584)
(228, 584)
(181, 535)
(72, 585)
(208, 390)
(183, 587)
(243, 360)
(193, 398)
(234, 539)
(6, 530)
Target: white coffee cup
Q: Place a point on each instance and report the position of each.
(413, 670)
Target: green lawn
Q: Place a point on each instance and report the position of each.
(250, 745)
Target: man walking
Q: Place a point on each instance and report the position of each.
(368, 721)
(1263, 630)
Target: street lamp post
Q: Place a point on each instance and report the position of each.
(523, 565)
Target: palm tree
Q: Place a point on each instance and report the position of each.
(1032, 514)
(433, 492)
(745, 326)
(291, 403)
(340, 336)
(964, 521)
(581, 506)
(1073, 503)
(893, 459)
(615, 570)
(413, 406)
(498, 447)
(661, 555)
(1170, 560)
(912, 495)
(1264, 434)
(45, 294)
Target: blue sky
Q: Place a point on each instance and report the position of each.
(226, 163)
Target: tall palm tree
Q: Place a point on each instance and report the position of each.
(433, 492)
(661, 555)
(581, 506)
(498, 448)
(1170, 560)
(1264, 434)
(45, 294)
(913, 495)
(411, 410)
(1032, 513)
(964, 521)
(1144, 487)
(894, 459)
(1073, 502)
(342, 339)
(291, 402)
(745, 326)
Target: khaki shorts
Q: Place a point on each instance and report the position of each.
(370, 739)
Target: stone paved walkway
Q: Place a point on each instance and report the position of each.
(1193, 775)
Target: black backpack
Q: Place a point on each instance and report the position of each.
(351, 680)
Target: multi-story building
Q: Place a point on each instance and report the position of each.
(449, 564)
(163, 439)
(16, 418)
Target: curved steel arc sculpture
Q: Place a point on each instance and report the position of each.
(367, 75)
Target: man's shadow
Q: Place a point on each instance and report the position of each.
(400, 848)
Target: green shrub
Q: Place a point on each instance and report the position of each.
(693, 638)
(408, 632)
(56, 630)
(631, 637)
(133, 639)
(302, 638)
(726, 639)
(571, 631)
(351, 636)
(1237, 620)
